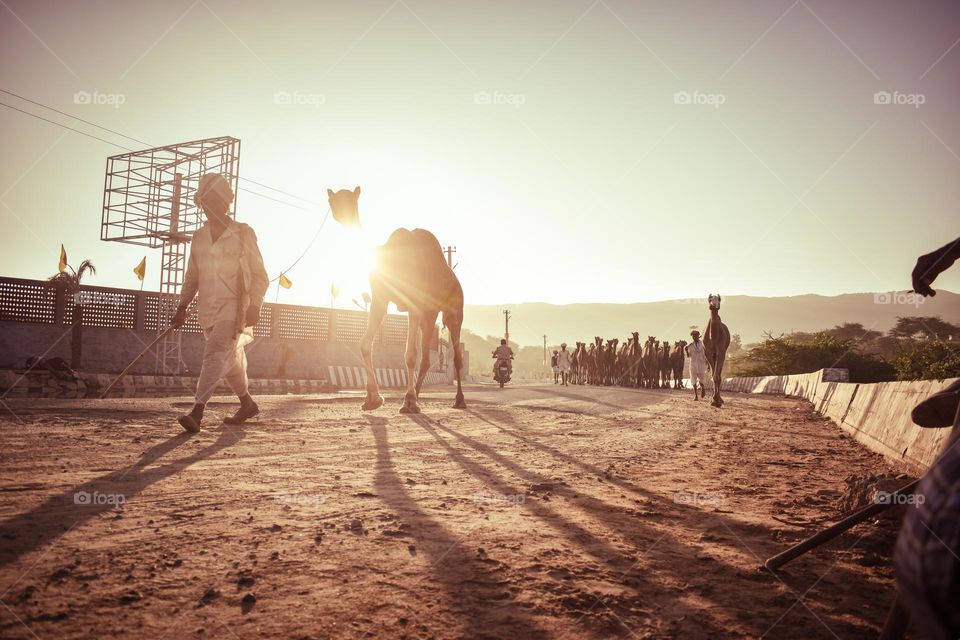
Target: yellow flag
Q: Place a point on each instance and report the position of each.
(141, 269)
(285, 282)
(334, 290)
(63, 259)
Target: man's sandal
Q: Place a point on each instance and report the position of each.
(243, 414)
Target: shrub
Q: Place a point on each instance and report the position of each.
(933, 360)
(785, 355)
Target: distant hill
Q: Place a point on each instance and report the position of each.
(750, 316)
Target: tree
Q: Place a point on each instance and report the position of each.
(854, 331)
(68, 281)
(930, 328)
(736, 345)
(931, 360)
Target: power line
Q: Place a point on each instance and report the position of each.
(137, 140)
(84, 133)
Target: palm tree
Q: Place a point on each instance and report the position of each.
(69, 283)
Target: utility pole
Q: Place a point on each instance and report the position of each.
(506, 325)
(450, 251)
(545, 354)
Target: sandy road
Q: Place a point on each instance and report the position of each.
(538, 512)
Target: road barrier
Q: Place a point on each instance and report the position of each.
(877, 415)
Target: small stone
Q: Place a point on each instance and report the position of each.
(131, 596)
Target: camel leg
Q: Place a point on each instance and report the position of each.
(717, 380)
(428, 323)
(378, 310)
(410, 359)
(454, 327)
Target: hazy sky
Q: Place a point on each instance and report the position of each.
(573, 151)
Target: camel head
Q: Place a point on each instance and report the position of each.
(343, 204)
(636, 337)
(714, 301)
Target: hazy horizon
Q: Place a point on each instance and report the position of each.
(612, 152)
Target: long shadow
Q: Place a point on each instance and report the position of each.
(487, 608)
(576, 462)
(66, 511)
(599, 549)
(677, 546)
(602, 403)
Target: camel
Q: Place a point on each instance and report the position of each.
(610, 362)
(413, 273)
(716, 340)
(666, 365)
(580, 363)
(650, 362)
(677, 359)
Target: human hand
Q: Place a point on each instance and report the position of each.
(929, 266)
(252, 317)
(179, 317)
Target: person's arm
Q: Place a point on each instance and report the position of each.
(191, 283)
(932, 264)
(259, 280)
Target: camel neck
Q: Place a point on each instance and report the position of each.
(715, 314)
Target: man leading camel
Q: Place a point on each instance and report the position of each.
(698, 364)
(226, 270)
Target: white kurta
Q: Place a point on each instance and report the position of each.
(228, 275)
(698, 362)
(563, 361)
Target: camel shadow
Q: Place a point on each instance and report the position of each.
(620, 563)
(476, 591)
(801, 575)
(70, 509)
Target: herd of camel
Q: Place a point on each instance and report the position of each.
(651, 365)
(412, 272)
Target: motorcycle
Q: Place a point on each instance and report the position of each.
(502, 372)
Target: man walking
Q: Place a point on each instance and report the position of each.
(698, 364)
(226, 270)
(563, 361)
(555, 365)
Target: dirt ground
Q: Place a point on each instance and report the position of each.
(537, 512)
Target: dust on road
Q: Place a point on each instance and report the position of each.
(595, 513)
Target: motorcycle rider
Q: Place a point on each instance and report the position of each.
(503, 353)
